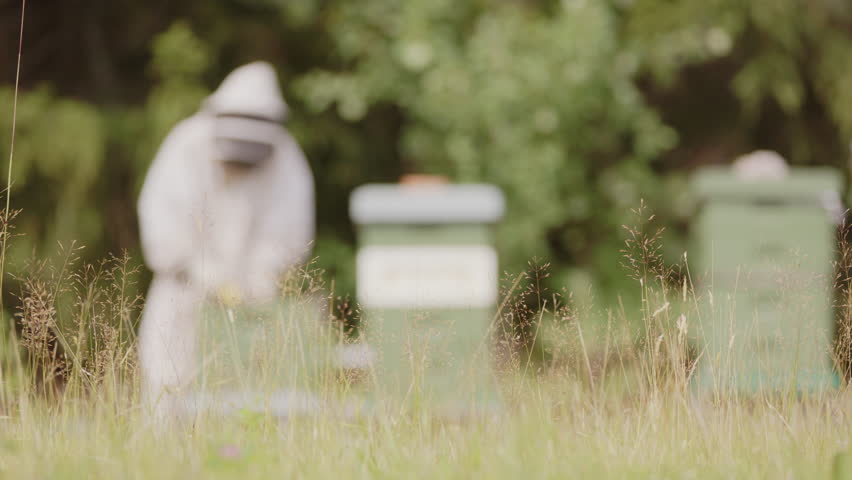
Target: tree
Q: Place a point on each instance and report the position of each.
(576, 108)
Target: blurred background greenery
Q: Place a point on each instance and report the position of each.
(577, 109)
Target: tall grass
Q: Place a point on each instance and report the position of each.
(588, 392)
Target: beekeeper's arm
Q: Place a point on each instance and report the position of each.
(286, 232)
(166, 223)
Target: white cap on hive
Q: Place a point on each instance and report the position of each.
(761, 165)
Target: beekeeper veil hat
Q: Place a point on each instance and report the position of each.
(248, 109)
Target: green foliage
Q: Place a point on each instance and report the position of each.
(783, 52)
(179, 54)
(576, 108)
(503, 94)
(59, 153)
(66, 152)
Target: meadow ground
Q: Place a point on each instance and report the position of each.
(561, 430)
(604, 409)
(604, 394)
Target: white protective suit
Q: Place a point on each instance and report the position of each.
(228, 203)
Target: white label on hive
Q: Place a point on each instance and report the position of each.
(446, 276)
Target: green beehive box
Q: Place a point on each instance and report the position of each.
(427, 282)
(762, 259)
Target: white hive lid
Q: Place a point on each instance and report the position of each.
(426, 204)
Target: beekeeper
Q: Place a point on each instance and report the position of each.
(227, 206)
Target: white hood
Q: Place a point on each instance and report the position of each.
(250, 90)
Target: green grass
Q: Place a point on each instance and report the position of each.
(571, 419)
(556, 430)
(607, 393)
